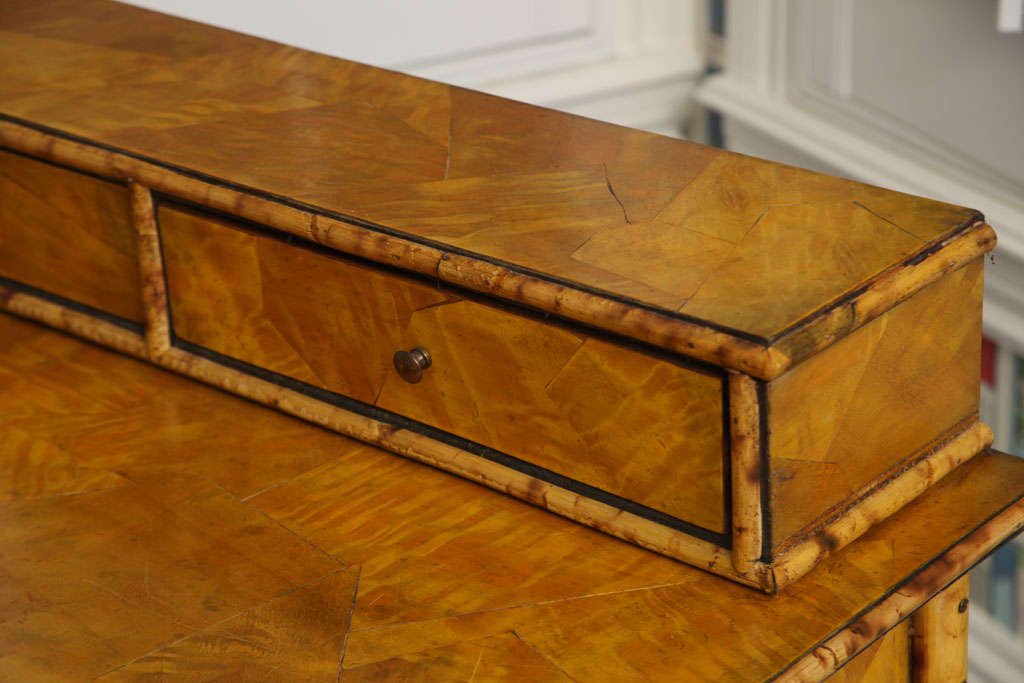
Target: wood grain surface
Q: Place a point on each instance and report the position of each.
(68, 234)
(850, 413)
(210, 537)
(887, 661)
(750, 265)
(939, 636)
(645, 429)
(619, 219)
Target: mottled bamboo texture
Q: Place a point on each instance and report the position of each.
(844, 645)
(747, 501)
(880, 501)
(151, 270)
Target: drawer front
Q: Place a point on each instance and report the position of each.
(69, 234)
(637, 426)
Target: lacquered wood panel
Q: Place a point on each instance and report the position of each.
(69, 234)
(169, 571)
(428, 159)
(641, 428)
(850, 413)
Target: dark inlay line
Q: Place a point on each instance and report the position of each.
(767, 552)
(504, 459)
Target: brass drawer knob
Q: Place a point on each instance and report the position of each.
(411, 364)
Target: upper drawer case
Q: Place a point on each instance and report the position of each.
(643, 428)
(733, 362)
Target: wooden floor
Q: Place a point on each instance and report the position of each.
(150, 524)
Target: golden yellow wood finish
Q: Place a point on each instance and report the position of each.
(626, 221)
(850, 413)
(635, 426)
(939, 636)
(749, 265)
(330, 323)
(645, 429)
(178, 554)
(886, 661)
(69, 234)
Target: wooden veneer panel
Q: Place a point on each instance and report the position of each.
(837, 421)
(69, 234)
(640, 427)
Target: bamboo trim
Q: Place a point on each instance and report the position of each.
(938, 640)
(80, 324)
(745, 473)
(611, 520)
(941, 572)
(878, 500)
(891, 288)
(681, 336)
(151, 272)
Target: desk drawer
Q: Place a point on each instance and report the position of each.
(69, 234)
(637, 425)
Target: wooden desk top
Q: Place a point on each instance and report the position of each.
(678, 244)
(149, 523)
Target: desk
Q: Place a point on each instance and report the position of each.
(151, 524)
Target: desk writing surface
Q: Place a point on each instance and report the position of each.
(154, 524)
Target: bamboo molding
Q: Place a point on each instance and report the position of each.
(880, 499)
(745, 472)
(79, 324)
(151, 272)
(758, 359)
(937, 575)
(889, 289)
